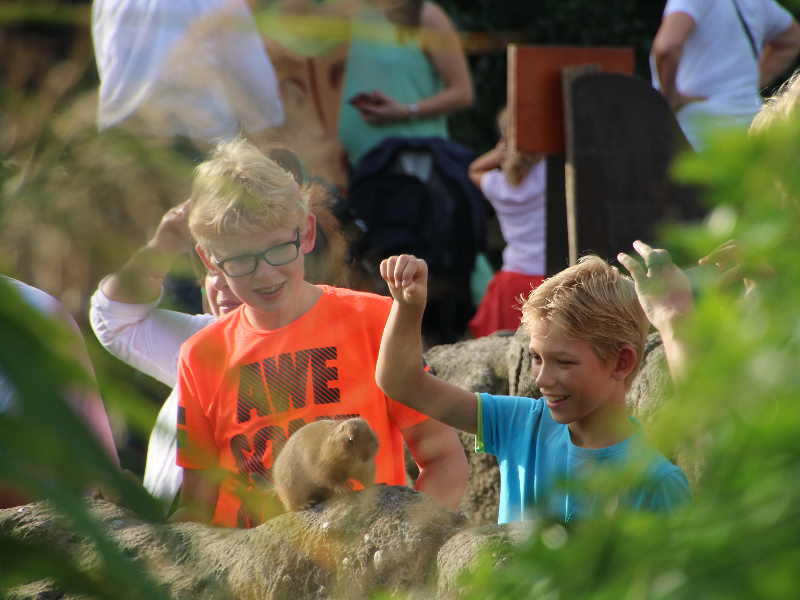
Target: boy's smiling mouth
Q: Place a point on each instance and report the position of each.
(267, 291)
(555, 400)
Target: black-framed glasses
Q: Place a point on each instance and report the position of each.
(278, 255)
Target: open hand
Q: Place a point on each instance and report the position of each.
(751, 269)
(664, 290)
(407, 277)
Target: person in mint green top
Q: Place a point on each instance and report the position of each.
(405, 72)
(587, 330)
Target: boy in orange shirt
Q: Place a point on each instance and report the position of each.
(293, 353)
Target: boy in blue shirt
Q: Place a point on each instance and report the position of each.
(587, 333)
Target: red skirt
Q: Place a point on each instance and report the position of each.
(500, 307)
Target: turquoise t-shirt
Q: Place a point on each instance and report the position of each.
(541, 469)
(379, 59)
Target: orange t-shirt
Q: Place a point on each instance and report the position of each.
(242, 391)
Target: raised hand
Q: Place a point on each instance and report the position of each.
(172, 235)
(752, 269)
(664, 290)
(407, 277)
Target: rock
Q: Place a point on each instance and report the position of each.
(466, 550)
(518, 361)
(652, 387)
(481, 500)
(474, 365)
(386, 537)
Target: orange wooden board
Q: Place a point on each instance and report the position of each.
(535, 98)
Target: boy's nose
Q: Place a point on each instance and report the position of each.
(542, 375)
(264, 269)
(217, 281)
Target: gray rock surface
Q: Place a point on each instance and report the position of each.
(386, 537)
(467, 550)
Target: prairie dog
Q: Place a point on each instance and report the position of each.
(320, 457)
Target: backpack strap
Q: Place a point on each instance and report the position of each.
(750, 37)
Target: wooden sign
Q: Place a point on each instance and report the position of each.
(535, 99)
(621, 140)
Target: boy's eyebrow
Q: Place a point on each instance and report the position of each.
(555, 353)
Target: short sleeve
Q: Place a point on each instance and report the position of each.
(502, 419)
(690, 7)
(776, 20)
(492, 184)
(672, 493)
(197, 448)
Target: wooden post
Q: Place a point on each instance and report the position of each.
(568, 76)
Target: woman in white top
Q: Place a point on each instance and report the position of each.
(710, 59)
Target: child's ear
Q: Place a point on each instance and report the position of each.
(207, 260)
(625, 362)
(308, 233)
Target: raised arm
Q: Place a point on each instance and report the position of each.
(400, 372)
(751, 268)
(489, 161)
(666, 297)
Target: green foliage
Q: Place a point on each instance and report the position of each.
(49, 453)
(738, 412)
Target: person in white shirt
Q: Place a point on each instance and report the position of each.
(193, 68)
(710, 59)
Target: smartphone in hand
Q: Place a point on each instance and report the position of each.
(361, 98)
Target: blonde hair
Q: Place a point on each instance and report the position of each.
(516, 165)
(238, 191)
(778, 108)
(593, 302)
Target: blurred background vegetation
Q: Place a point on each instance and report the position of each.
(75, 204)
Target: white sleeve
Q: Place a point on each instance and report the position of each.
(689, 7)
(143, 336)
(776, 20)
(162, 476)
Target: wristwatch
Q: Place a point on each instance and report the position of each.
(413, 111)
